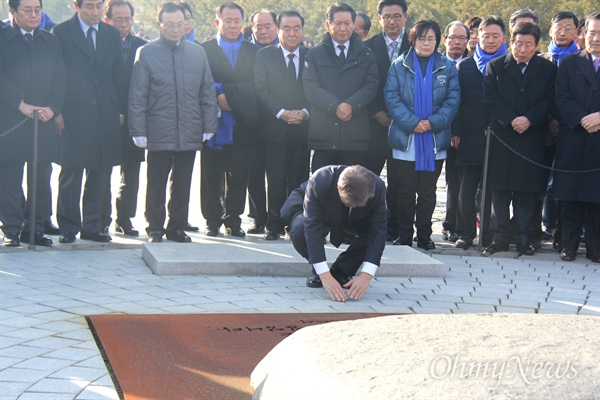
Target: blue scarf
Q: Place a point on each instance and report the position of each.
(424, 143)
(558, 53)
(260, 46)
(226, 122)
(482, 58)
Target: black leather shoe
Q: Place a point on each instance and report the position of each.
(313, 281)
(11, 240)
(39, 239)
(155, 236)
(126, 230)
(594, 256)
(568, 255)
(495, 247)
(95, 237)
(50, 228)
(426, 244)
(450, 236)
(190, 228)
(178, 235)
(400, 242)
(237, 232)
(66, 238)
(256, 229)
(463, 243)
(211, 230)
(339, 276)
(271, 235)
(525, 249)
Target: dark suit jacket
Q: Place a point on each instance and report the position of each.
(35, 74)
(577, 95)
(508, 94)
(276, 91)
(94, 97)
(131, 153)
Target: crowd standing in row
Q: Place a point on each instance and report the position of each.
(257, 108)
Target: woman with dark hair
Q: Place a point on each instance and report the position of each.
(422, 95)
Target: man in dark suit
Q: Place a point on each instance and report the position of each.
(282, 127)
(119, 13)
(33, 79)
(387, 46)
(519, 95)
(339, 199)
(90, 119)
(578, 146)
(225, 157)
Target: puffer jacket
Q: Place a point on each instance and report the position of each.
(399, 94)
(172, 96)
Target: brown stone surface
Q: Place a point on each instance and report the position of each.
(194, 356)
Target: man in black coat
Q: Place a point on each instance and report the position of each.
(340, 80)
(282, 127)
(90, 119)
(519, 95)
(119, 13)
(226, 155)
(33, 78)
(578, 146)
(339, 199)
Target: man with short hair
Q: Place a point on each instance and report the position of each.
(339, 199)
(90, 119)
(578, 146)
(172, 109)
(519, 95)
(226, 155)
(119, 13)
(523, 15)
(283, 124)
(362, 25)
(473, 25)
(264, 28)
(33, 79)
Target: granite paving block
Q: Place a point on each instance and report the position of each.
(54, 385)
(523, 310)
(429, 310)
(95, 392)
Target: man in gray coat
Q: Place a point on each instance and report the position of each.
(172, 109)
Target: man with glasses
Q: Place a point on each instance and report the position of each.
(172, 109)
(119, 13)
(90, 119)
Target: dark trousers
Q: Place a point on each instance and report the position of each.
(223, 190)
(322, 158)
(257, 197)
(180, 164)
(69, 198)
(127, 196)
(452, 192)
(348, 261)
(469, 177)
(415, 199)
(576, 215)
(523, 227)
(379, 151)
(13, 214)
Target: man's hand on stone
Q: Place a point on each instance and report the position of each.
(358, 286)
(332, 287)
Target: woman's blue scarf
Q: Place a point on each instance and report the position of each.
(424, 143)
(558, 53)
(226, 123)
(482, 58)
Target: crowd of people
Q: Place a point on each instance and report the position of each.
(265, 111)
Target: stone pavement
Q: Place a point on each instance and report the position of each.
(47, 351)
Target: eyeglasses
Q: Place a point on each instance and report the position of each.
(31, 11)
(461, 38)
(171, 26)
(395, 17)
(426, 40)
(121, 21)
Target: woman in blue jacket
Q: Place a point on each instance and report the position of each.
(422, 95)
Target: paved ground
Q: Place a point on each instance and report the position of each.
(47, 351)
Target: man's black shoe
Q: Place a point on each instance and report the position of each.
(568, 255)
(39, 239)
(450, 236)
(400, 242)
(11, 240)
(190, 228)
(95, 237)
(178, 235)
(256, 229)
(463, 243)
(426, 244)
(525, 249)
(50, 228)
(271, 235)
(66, 238)
(155, 236)
(495, 247)
(129, 230)
(339, 276)
(238, 232)
(594, 256)
(211, 230)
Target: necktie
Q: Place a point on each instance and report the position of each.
(291, 67)
(394, 46)
(597, 64)
(522, 67)
(90, 39)
(342, 55)
(29, 38)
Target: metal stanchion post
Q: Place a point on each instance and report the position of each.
(482, 216)
(33, 190)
